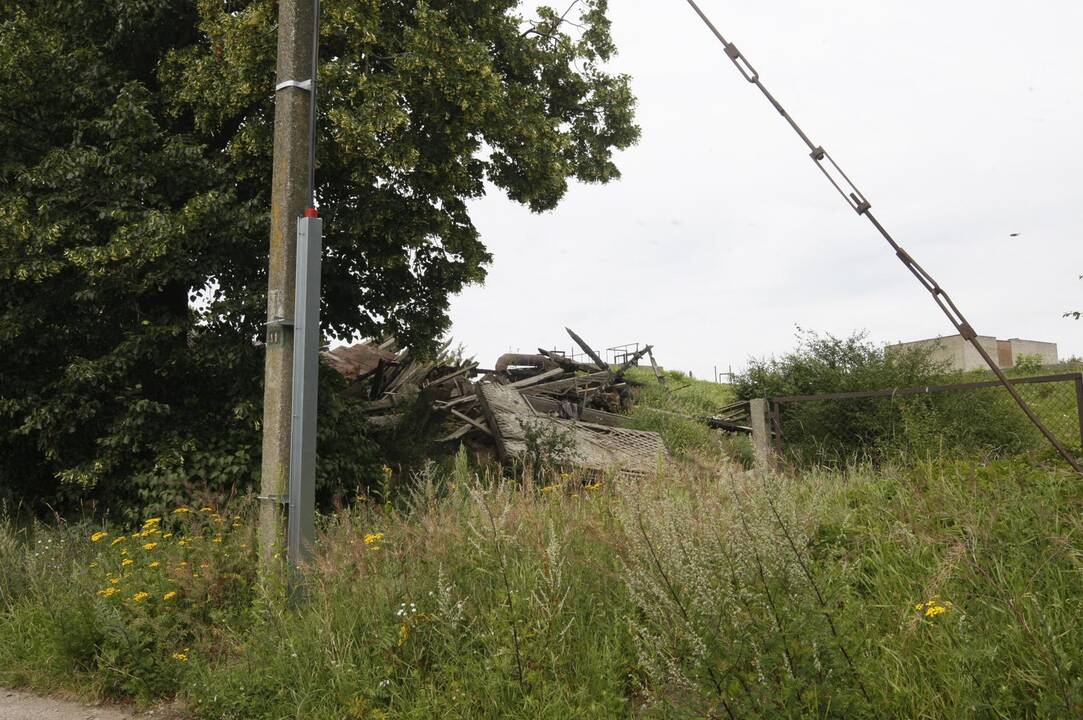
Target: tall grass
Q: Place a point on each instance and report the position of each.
(946, 590)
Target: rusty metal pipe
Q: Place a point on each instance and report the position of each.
(518, 360)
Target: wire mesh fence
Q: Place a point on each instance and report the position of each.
(961, 419)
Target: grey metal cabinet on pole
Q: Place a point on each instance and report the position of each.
(306, 362)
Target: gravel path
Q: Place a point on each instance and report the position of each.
(21, 706)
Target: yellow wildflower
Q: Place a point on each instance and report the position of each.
(373, 538)
(218, 539)
(108, 592)
(594, 486)
(99, 536)
(93, 564)
(127, 562)
(167, 536)
(118, 540)
(206, 510)
(933, 607)
(151, 522)
(182, 542)
(404, 634)
(114, 580)
(155, 564)
(150, 545)
(181, 511)
(170, 595)
(180, 656)
(124, 551)
(140, 596)
(549, 488)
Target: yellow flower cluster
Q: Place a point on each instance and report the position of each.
(140, 596)
(99, 536)
(181, 656)
(933, 607)
(373, 540)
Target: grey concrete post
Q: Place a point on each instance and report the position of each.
(761, 435)
(289, 197)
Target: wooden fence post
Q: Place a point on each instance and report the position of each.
(761, 435)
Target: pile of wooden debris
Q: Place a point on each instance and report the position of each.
(516, 405)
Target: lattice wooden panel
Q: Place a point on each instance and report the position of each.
(596, 447)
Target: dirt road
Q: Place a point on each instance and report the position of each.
(21, 706)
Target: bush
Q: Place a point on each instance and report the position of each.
(958, 423)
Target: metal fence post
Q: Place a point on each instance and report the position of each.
(761, 434)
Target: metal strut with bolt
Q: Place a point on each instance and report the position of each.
(861, 205)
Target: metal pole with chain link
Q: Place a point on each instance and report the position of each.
(856, 200)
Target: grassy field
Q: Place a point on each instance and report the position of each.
(938, 589)
(941, 591)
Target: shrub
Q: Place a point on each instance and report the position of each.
(957, 423)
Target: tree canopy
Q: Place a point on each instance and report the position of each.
(134, 194)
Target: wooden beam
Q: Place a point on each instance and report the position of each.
(535, 379)
(599, 417)
(451, 376)
(471, 421)
(562, 385)
(588, 350)
(657, 372)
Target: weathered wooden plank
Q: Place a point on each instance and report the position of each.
(588, 350)
(657, 372)
(451, 376)
(459, 434)
(595, 447)
(535, 379)
(562, 385)
(549, 405)
(471, 421)
(630, 362)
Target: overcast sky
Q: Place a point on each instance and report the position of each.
(961, 121)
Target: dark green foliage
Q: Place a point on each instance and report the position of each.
(984, 422)
(134, 196)
(547, 448)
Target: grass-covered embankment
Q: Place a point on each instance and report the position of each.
(948, 590)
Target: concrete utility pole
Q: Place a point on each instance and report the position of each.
(289, 198)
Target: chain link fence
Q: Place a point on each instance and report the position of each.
(976, 419)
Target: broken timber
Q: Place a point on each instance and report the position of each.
(481, 408)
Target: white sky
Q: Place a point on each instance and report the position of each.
(961, 122)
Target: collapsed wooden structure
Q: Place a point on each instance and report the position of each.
(522, 398)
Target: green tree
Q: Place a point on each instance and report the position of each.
(135, 183)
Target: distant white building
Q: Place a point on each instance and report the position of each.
(961, 355)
